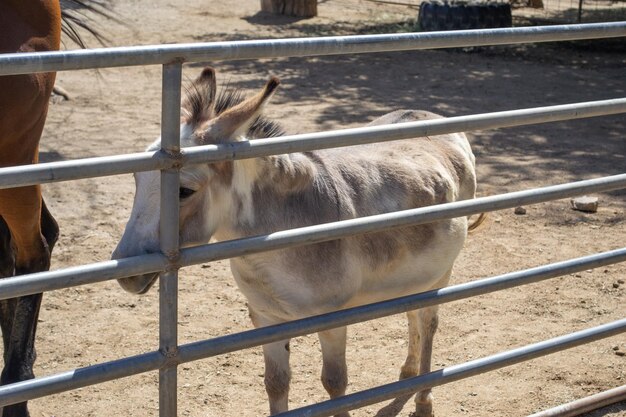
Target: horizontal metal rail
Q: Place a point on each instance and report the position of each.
(244, 340)
(39, 387)
(457, 372)
(113, 165)
(583, 405)
(330, 231)
(81, 275)
(47, 281)
(22, 63)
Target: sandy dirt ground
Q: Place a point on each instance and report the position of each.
(118, 110)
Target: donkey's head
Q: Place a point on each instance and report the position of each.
(209, 193)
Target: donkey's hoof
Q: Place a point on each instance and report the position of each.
(423, 410)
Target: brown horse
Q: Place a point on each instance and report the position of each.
(28, 231)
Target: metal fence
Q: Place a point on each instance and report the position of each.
(171, 157)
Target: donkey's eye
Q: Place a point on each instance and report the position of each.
(184, 193)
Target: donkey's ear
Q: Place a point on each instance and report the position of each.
(198, 104)
(236, 120)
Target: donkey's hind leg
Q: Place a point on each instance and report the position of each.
(427, 322)
(422, 327)
(411, 365)
(334, 369)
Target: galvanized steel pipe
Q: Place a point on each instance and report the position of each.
(81, 275)
(30, 284)
(457, 372)
(336, 230)
(251, 338)
(101, 166)
(584, 405)
(168, 239)
(22, 63)
(39, 387)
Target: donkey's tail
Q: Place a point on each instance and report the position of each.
(476, 223)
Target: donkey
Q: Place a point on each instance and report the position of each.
(233, 199)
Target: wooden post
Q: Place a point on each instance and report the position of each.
(298, 8)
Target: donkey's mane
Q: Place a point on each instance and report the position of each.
(199, 99)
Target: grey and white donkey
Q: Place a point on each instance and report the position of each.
(233, 199)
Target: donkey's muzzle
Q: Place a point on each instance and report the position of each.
(139, 284)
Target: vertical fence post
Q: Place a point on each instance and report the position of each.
(168, 229)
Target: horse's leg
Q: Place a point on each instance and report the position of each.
(25, 221)
(50, 231)
(334, 368)
(49, 226)
(7, 269)
(7, 255)
(277, 371)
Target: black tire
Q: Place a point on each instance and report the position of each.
(450, 16)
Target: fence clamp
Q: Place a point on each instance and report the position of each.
(173, 155)
(171, 356)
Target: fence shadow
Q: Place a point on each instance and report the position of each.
(394, 408)
(612, 409)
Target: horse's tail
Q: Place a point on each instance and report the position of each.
(476, 223)
(74, 19)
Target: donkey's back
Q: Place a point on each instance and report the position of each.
(354, 182)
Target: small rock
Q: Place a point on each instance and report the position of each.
(616, 285)
(615, 347)
(620, 353)
(520, 210)
(585, 203)
(620, 281)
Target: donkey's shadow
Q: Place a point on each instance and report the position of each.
(395, 407)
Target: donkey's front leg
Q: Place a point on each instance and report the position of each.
(277, 371)
(277, 375)
(334, 370)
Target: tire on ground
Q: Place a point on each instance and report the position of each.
(451, 16)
